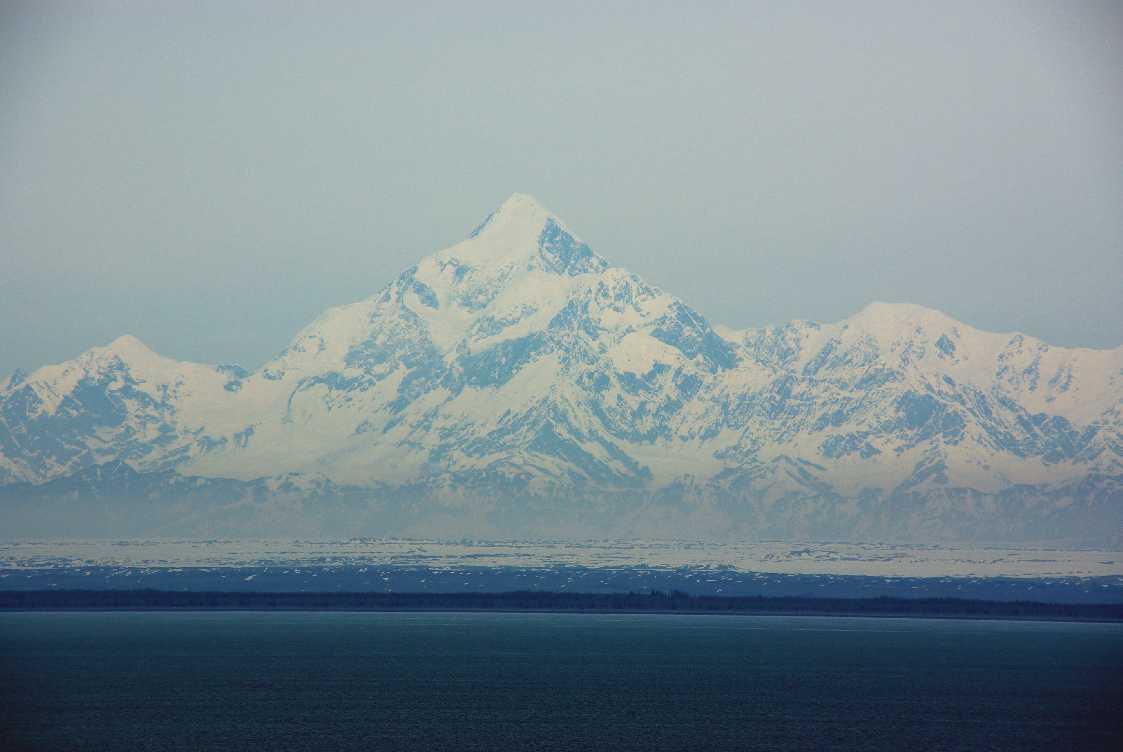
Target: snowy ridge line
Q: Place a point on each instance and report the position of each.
(519, 370)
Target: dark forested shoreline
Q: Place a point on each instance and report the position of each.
(653, 601)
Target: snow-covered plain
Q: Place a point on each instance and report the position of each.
(808, 558)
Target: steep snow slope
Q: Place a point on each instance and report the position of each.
(519, 363)
(905, 394)
(516, 351)
(118, 402)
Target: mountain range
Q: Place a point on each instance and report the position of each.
(518, 384)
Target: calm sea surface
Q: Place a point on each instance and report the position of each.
(325, 681)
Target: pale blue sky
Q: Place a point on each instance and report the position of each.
(209, 176)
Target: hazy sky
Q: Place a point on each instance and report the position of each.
(210, 176)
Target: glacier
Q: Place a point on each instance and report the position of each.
(518, 384)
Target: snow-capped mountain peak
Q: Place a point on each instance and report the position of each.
(518, 364)
(519, 218)
(883, 316)
(521, 231)
(129, 346)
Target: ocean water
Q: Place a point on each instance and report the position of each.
(494, 681)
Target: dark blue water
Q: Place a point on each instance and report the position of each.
(308, 681)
